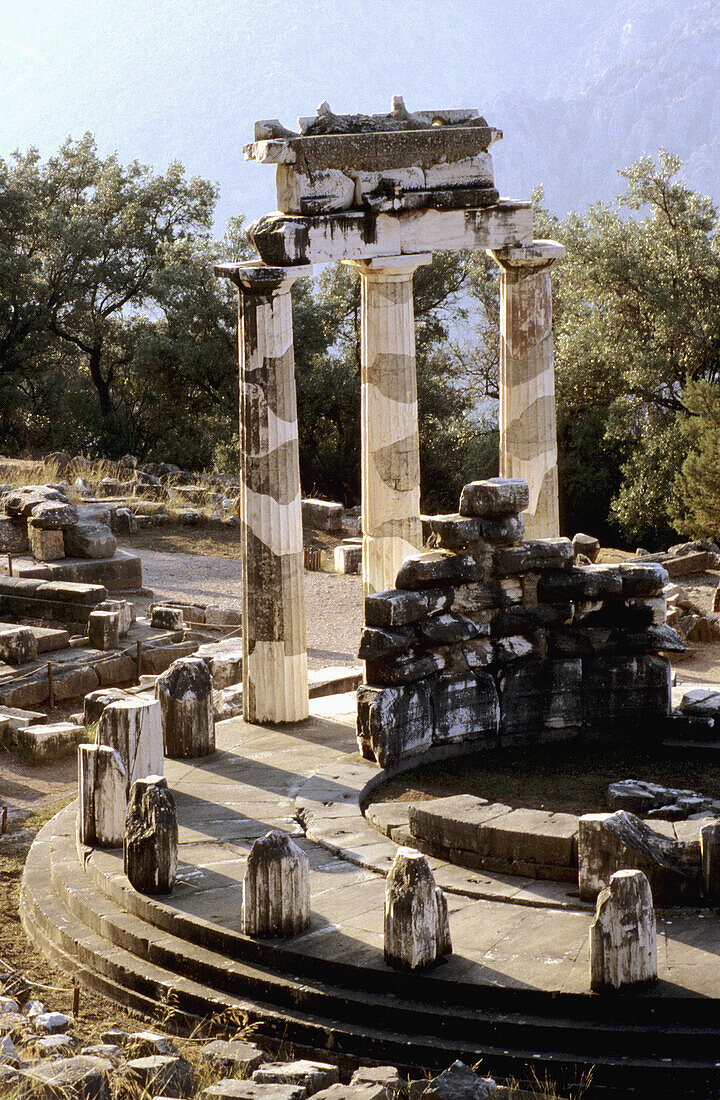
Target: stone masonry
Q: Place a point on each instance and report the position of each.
(489, 640)
(382, 193)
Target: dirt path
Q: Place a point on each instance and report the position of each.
(333, 603)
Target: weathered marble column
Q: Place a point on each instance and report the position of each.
(275, 683)
(389, 418)
(528, 434)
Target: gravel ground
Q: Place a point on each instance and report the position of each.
(333, 603)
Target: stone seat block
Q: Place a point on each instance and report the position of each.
(454, 822)
(43, 743)
(532, 836)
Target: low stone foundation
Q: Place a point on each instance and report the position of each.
(489, 640)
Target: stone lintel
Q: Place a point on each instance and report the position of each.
(392, 265)
(283, 240)
(535, 254)
(380, 151)
(260, 278)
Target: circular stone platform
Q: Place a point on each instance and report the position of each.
(514, 993)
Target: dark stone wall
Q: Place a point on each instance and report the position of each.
(489, 640)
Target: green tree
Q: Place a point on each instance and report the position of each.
(327, 352)
(695, 503)
(637, 313)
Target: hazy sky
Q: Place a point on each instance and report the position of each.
(186, 79)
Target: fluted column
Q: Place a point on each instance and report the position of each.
(389, 419)
(275, 682)
(528, 433)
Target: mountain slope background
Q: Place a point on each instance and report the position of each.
(578, 88)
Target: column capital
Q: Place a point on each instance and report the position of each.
(537, 255)
(382, 267)
(257, 278)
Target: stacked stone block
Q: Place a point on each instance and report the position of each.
(488, 639)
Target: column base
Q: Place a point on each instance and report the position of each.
(275, 685)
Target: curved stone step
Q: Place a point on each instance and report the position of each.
(78, 924)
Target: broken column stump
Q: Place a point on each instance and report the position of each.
(134, 728)
(150, 845)
(276, 888)
(185, 692)
(417, 930)
(710, 855)
(102, 796)
(623, 944)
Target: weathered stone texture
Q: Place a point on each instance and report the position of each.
(185, 693)
(102, 796)
(276, 888)
(623, 947)
(133, 727)
(612, 842)
(150, 845)
(417, 931)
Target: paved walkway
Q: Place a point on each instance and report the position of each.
(507, 931)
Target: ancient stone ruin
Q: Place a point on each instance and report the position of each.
(490, 640)
(381, 193)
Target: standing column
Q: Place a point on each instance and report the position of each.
(275, 682)
(389, 419)
(528, 433)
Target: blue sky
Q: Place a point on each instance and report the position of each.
(185, 79)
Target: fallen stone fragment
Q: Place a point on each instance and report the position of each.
(185, 692)
(111, 1051)
(395, 608)
(8, 1005)
(314, 1076)
(623, 947)
(620, 841)
(224, 659)
(375, 642)
(52, 1023)
(151, 836)
(89, 540)
(53, 515)
(339, 1091)
(534, 556)
(78, 1078)
(386, 1076)
(55, 1046)
(233, 1054)
(417, 932)
(160, 1073)
(145, 1043)
(459, 1082)
(394, 723)
(252, 1090)
(276, 888)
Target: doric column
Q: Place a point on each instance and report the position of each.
(528, 434)
(389, 419)
(275, 682)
